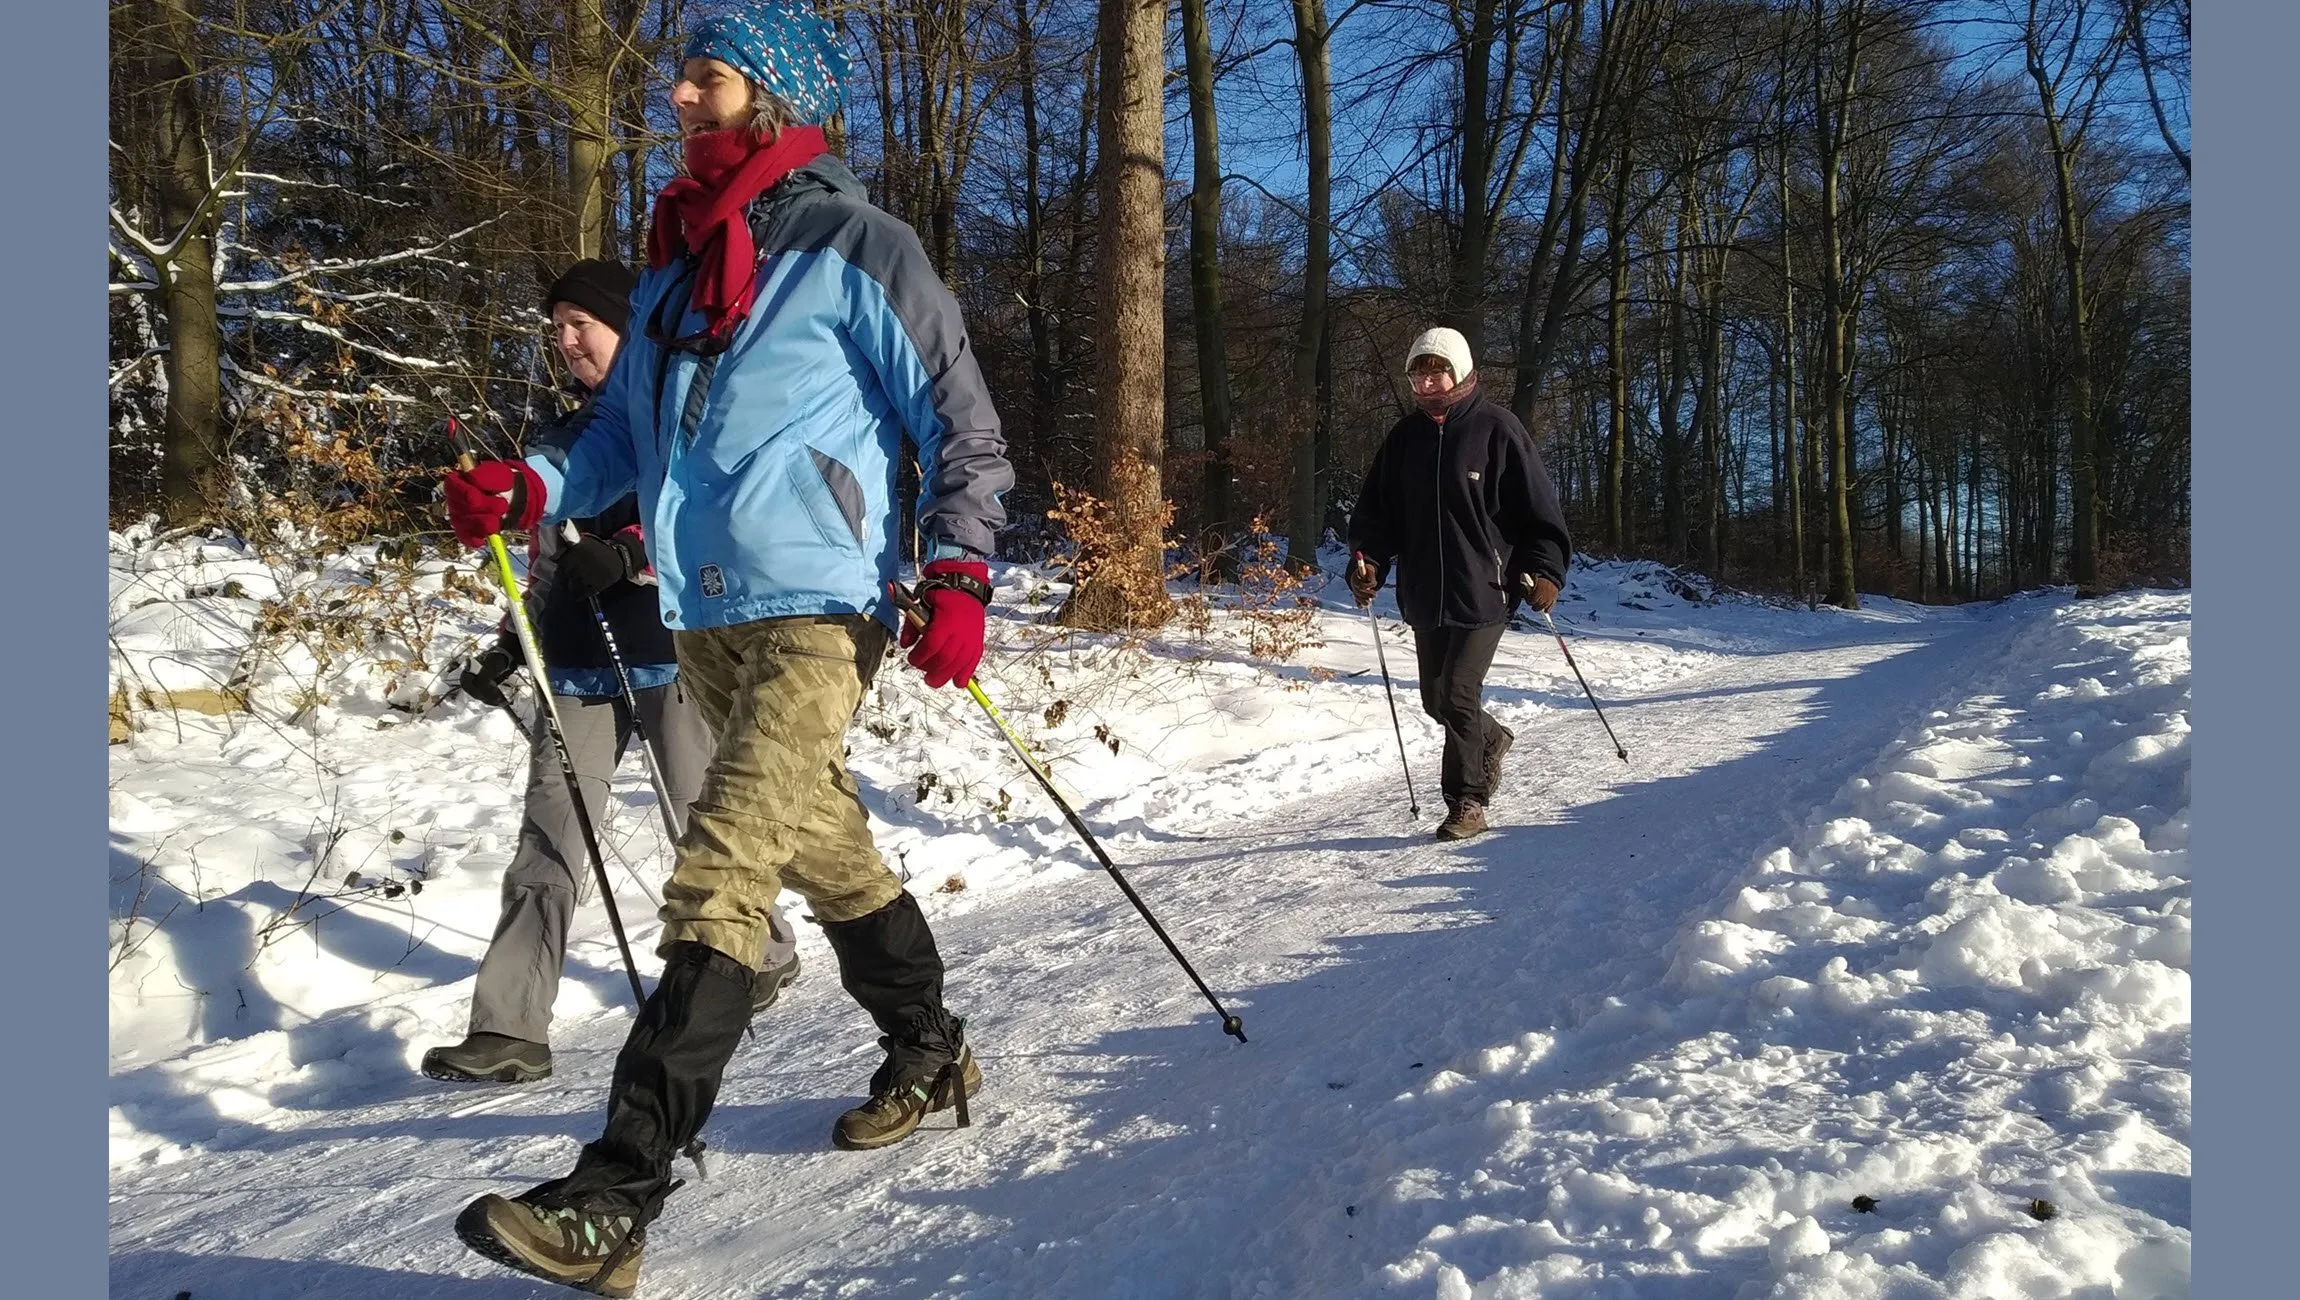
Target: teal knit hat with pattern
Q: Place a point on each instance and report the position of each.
(784, 46)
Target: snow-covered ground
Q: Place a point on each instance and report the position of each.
(1889, 905)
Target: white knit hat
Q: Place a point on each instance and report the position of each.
(1445, 344)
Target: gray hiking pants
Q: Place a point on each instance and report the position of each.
(550, 873)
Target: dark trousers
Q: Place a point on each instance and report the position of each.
(1454, 661)
(667, 1076)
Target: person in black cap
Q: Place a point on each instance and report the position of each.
(603, 557)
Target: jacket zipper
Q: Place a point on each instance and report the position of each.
(1437, 480)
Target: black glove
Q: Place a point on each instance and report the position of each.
(484, 675)
(594, 564)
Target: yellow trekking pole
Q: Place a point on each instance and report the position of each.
(914, 612)
(524, 628)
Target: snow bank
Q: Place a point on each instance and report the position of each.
(1934, 1044)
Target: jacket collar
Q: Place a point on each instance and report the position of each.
(823, 177)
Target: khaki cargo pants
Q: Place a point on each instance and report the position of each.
(778, 806)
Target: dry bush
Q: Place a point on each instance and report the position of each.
(1277, 601)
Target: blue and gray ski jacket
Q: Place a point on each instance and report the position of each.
(766, 473)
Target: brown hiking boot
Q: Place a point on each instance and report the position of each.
(902, 1096)
(1498, 739)
(1464, 818)
(598, 1253)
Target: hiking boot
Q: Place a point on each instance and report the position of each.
(589, 1251)
(489, 1058)
(917, 1080)
(1498, 739)
(1464, 818)
(768, 985)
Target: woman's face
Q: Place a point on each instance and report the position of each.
(710, 96)
(587, 343)
(1430, 376)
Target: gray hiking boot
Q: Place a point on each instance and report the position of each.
(489, 1058)
(1464, 818)
(916, 1081)
(768, 985)
(589, 1251)
(1498, 739)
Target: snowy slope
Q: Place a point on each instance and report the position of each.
(1890, 905)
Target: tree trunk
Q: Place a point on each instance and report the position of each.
(2083, 460)
(1042, 394)
(1891, 418)
(1127, 587)
(1545, 290)
(1792, 443)
(1306, 518)
(1617, 358)
(1465, 295)
(1074, 453)
(1676, 527)
(590, 94)
(1831, 107)
(194, 463)
(1217, 517)
(1709, 419)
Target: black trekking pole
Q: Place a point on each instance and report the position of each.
(1618, 751)
(1231, 1025)
(1381, 656)
(638, 725)
(549, 709)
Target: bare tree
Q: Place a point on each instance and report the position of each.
(2142, 18)
(2071, 54)
(1126, 587)
(173, 241)
(1217, 516)
(1313, 53)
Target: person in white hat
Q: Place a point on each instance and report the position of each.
(1458, 501)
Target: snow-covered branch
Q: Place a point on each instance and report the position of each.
(299, 183)
(154, 252)
(374, 393)
(303, 322)
(126, 368)
(341, 266)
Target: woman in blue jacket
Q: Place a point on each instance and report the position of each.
(788, 338)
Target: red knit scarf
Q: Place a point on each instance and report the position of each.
(1438, 406)
(703, 211)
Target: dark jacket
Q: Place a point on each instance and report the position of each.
(572, 646)
(1461, 508)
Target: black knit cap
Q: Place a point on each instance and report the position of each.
(599, 286)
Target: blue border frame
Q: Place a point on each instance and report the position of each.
(2246, 713)
(54, 958)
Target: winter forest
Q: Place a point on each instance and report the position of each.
(1809, 915)
(1815, 297)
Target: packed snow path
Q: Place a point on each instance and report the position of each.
(1123, 1147)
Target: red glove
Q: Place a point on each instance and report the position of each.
(950, 648)
(490, 497)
